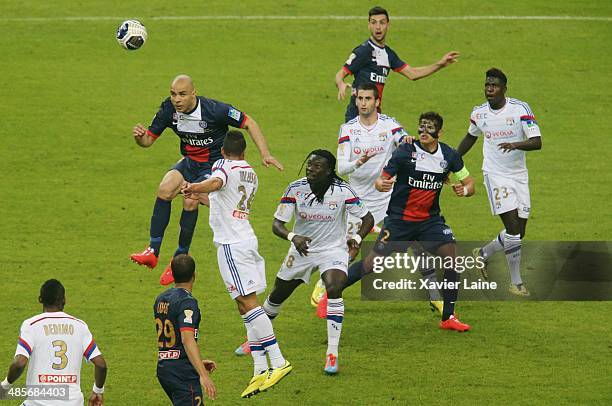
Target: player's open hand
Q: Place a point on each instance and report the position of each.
(270, 160)
(301, 244)
(366, 157)
(96, 399)
(139, 131)
(209, 365)
(408, 139)
(507, 146)
(449, 58)
(208, 386)
(342, 90)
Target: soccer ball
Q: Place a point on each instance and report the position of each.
(131, 35)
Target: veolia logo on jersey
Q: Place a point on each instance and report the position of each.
(499, 134)
(315, 217)
(370, 150)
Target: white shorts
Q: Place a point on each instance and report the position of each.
(506, 194)
(242, 269)
(296, 266)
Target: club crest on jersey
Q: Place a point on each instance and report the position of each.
(509, 121)
(443, 164)
(333, 205)
(203, 124)
(382, 136)
(188, 316)
(175, 118)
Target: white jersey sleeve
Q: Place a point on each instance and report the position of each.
(473, 129)
(25, 342)
(345, 165)
(354, 205)
(286, 208)
(529, 123)
(219, 172)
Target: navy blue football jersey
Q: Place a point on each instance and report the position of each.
(420, 177)
(370, 63)
(202, 130)
(175, 310)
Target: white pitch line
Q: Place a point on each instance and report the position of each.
(309, 18)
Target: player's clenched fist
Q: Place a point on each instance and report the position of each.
(301, 244)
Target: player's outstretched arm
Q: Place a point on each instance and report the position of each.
(97, 398)
(191, 190)
(341, 84)
(193, 353)
(142, 137)
(531, 144)
(416, 73)
(260, 141)
(14, 372)
(300, 242)
(466, 144)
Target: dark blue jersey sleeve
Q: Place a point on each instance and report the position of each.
(188, 316)
(163, 118)
(455, 163)
(399, 158)
(395, 62)
(228, 114)
(358, 58)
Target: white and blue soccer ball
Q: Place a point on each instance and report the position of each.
(131, 35)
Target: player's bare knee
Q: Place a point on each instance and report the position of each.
(190, 204)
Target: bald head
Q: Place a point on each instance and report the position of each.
(183, 94)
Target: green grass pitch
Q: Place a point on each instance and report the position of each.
(77, 193)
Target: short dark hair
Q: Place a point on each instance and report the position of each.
(497, 73)
(369, 86)
(183, 268)
(52, 293)
(234, 143)
(433, 116)
(377, 10)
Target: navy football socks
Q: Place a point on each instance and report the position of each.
(449, 295)
(159, 222)
(188, 223)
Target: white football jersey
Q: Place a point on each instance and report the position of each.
(513, 122)
(56, 344)
(230, 206)
(354, 140)
(325, 223)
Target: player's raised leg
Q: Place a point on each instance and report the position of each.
(167, 191)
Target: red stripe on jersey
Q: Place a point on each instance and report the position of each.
(418, 205)
(527, 117)
(386, 174)
(343, 139)
(89, 349)
(380, 87)
(151, 134)
(25, 345)
(55, 317)
(187, 329)
(241, 167)
(197, 154)
(347, 70)
(400, 68)
(244, 119)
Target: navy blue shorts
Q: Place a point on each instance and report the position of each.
(193, 171)
(395, 234)
(184, 391)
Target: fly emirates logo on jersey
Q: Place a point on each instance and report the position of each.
(427, 182)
